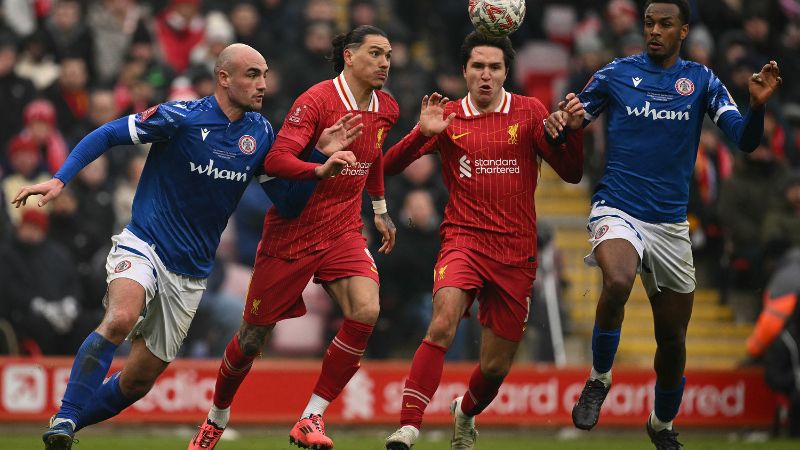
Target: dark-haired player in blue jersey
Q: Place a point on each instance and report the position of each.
(655, 103)
(204, 154)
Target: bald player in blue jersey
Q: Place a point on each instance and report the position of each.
(655, 103)
(203, 155)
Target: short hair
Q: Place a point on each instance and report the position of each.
(476, 39)
(683, 6)
(354, 38)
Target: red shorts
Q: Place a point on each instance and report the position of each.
(503, 291)
(276, 285)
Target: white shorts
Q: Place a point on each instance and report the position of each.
(665, 251)
(171, 299)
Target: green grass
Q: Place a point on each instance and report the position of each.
(126, 438)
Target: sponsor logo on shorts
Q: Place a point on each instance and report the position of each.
(122, 266)
(601, 231)
(254, 306)
(247, 144)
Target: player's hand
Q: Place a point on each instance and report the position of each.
(340, 135)
(49, 190)
(387, 229)
(575, 113)
(431, 119)
(763, 84)
(335, 164)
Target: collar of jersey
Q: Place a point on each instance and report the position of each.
(215, 106)
(346, 95)
(673, 68)
(470, 109)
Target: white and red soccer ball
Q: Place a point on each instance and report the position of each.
(496, 18)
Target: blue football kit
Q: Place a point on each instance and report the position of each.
(655, 115)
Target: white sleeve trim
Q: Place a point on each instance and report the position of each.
(132, 129)
(264, 178)
(723, 110)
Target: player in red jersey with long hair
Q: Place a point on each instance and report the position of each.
(325, 241)
(490, 159)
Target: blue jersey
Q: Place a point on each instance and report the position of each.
(654, 121)
(196, 171)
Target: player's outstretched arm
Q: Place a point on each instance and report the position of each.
(340, 135)
(431, 115)
(48, 190)
(763, 84)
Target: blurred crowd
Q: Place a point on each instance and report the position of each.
(68, 66)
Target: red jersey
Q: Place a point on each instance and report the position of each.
(335, 206)
(490, 165)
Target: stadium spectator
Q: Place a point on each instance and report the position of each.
(15, 91)
(745, 198)
(44, 310)
(782, 221)
(67, 34)
(25, 164)
(325, 241)
(162, 259)
(248, 28)
(309, 65)
(178, 30)
(41, 126)
(490, 172)
(638, 219)
(113, 25)
(70, 95)
(36, 63)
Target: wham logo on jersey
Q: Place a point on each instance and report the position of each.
(655, 114)
(216, 173)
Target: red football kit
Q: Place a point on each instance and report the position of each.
(325, 240)
(490, 165)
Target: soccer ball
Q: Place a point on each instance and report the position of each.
(496, 18)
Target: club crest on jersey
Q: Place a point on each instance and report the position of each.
(149, 112)
(247, 144)
(601, 232)
(254, 305)
(380, 138)
(513, 130)
(684, 86)
(122, 266)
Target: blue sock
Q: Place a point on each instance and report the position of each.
(668, 402)
(604, 348)
(88, 371)
(107, 402)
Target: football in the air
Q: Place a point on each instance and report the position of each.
(496, 18)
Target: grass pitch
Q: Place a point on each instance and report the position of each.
(147, 438)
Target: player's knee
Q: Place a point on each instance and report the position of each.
(117, 325)
(367, 312)
(496, 369)
(441, 331)
(617, 285)
(136, 387)
(252, 339)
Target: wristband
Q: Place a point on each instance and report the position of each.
(379, 206)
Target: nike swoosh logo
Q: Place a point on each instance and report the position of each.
(459, 136)
(409, 405)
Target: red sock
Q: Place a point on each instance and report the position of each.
(422, 382)
(234, 367)
(343, 358)
(480, 394)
